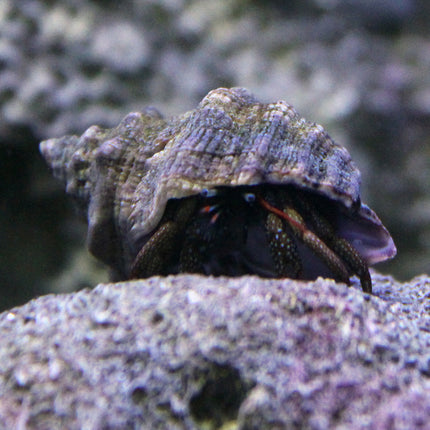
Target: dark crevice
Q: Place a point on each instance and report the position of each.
(220, 397)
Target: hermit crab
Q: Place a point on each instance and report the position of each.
(233, 187)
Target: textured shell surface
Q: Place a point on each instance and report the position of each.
(122, 178)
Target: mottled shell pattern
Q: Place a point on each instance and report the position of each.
(122, 178)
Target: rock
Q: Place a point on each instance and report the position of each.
(360, 68)
(189, 352)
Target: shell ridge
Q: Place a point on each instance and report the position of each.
(104, 215)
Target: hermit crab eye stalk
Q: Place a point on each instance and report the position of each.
(208, 192)
(249, 197)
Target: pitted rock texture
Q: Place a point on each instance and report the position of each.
(190, 352)
(359, 67)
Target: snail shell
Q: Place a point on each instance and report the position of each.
(122, 178)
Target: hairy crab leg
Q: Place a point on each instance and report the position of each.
(340, 246)
(296, 222)
(283, 248)
(190, 257)
(158, 250)
(349, 254)
(151, 258)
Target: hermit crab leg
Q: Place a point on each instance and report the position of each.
(283, 248)
(340, 246)
(151, 258)
(296, 222)
(158, 250)
(190, 257)
(353, 259)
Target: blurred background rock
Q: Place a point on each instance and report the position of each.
(360, 68)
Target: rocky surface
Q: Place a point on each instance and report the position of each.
(360, 68)
(191, 352)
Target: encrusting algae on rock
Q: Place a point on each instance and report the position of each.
(233, 187)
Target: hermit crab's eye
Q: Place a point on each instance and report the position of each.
(249, 197)
(206, 192)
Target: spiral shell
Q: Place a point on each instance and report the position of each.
(123, 177)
